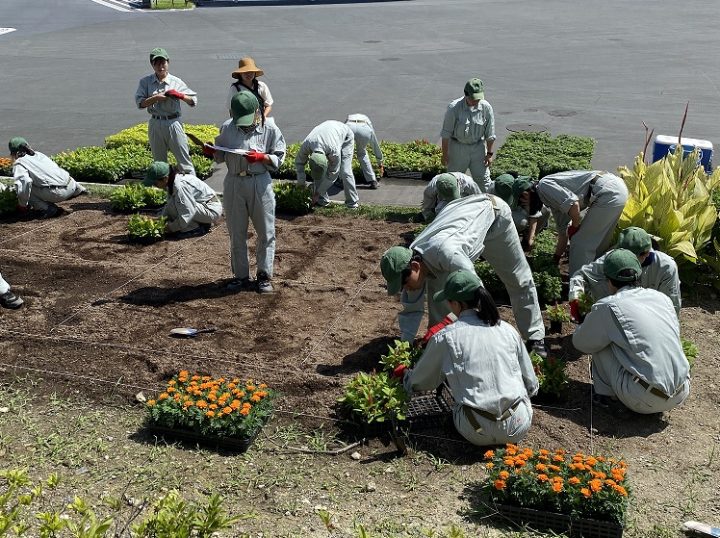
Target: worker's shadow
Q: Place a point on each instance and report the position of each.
(159, 296)
(365, 358)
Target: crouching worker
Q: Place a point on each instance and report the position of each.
(192, 206)
(40, 183)
(634, 338)
(484, 362)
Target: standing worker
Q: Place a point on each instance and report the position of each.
(468, 134)
(192, 206)
(467, 228)
(634, 338)
(329, 149)
(362, 128)
(247, 189)
(659, 271)
(247, 75)
(39, 181)
(444, 188)
(601, 195)
(7, 298)
(161, 93)
(484, 362)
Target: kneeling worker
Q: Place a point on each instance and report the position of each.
(192, 206)
(634, 338)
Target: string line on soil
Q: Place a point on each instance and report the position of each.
(33, 230)
(592, 434)
(336, 229)
(31, 254)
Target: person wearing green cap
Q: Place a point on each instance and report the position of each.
(600, 195)
(7, 298)
(442, 188)
(484, 363)
(633, 336)
(39, 181)
(247, 189)
(468, 134)
(659, 271)
(329, 150)
(467, 228)
(529, 214)
(161, 94)
(364, 132)
(192, 206)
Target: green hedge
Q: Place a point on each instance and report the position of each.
(138, 135)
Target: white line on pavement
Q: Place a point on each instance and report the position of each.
(6, 30)
(115, 6)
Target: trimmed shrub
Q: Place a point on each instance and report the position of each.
(292, 199)
(138, 135)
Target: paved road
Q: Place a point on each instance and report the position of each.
(584, 67)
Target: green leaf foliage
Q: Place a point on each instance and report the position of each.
(141, 227)
(690, 350)
(375, 397)
(547, 283)
(8, 201)
(400, 352)
(558, 313)
(291, 198)
(134, 196)
(551, 375)
(138, 135)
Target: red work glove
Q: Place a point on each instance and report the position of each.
(208, 151)
(253, 156)
(21, 208)
(572, 230)
(174, 93)
(399, 371)
(575, 309)
(432, 331)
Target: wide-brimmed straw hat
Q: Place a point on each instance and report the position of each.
(247, 65)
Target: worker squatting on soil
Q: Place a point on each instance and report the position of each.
(161, 94)
(39, 181)
(439, 189)
(7, 298)
(601, 195)
(463, 231)
(329, 149)
(192, 206)
(364, 132)
(659, 272)
(468, 134)
(634, 338)
(247, 189)
(484, 363)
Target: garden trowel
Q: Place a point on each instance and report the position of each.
(189, 331)
(700, 529)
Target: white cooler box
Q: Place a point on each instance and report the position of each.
(666, 144)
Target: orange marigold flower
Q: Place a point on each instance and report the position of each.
(543, 458)
(621, 490)
(255, 398)
(187, 403)
(210, 414)
(171, 383)
(558, 457)
(511, 450)
(151, 403)
(544, 452)
(610, 482)
(558, 479)
(617, 474)
(573, 480)
(227, 410)
(560, 451)
(489, 455)
(239, 393)
(250, 388)
(554, 468)
(245, 411)
(510, 462)
(598, 474)
(176, 397)
(202, 404)
(261, 393)
(503, 475)
(499, 484)
(170, 390)
(231, 386)
(557, 487)
(489, 465)
(195, 378)
(236, 380)
(595, 485)
(541, 467)
(206, 378)
(519, 462)
(542, 477)
(585, 492)
(184, 373)
(235, 404)
(213, 406)
(262, 386)
(590, 461)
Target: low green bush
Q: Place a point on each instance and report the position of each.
(134, 196)
(142, 228)
(138, 135)
(8, 201)
(291, 198)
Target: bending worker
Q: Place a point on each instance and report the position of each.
(484, 363)
(634, 338)
(463, 231)
(364, 132)
(39, 181)
(192, 206)
(468, 134)
(443, 188)
(601, 194)
(529, 214)
(7, 298)
(329, 150)
(659, 271)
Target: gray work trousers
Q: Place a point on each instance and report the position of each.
(250, 198)
(169, 135)
(346, 175)
(462, 157)
(205, 213)
(495, 432)
(363, 135)
(42, 197)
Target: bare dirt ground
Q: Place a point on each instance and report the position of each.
(94, 332)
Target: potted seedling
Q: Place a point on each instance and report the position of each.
(552, 378)
(557, 315)
(585, 302)
(146, 230)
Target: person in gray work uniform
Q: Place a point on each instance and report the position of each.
(659, 272)
(634, 338)
(467, 228)
(529, 214)
(602, 197)
(444, 188)
(192, 206)
(362, 128)
(329, 149)
(468, 134)
(161, 93)
(7, 298)
(247, 189)
(484, 363)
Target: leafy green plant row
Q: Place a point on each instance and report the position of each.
(134, 196)
(138, 135)
(142, 228)
(8, 200)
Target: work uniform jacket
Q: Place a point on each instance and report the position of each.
(330, 138)
(660, 274)
(191, 202)
(431, 205)
(637, 355)
(150, 85)
(42, 172)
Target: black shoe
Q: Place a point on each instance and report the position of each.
(263, 281)
(195, 232)
(602, 400)
(537, 346)
(374, 185)
(51, 212)
(240, 284)
(10, 300)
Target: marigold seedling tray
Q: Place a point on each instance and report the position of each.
(561, 523)
(192, 439)
(430, 410)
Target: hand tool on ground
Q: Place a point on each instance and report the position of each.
(189, 331)
(700, 529)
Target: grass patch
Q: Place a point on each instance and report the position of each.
(171, 4)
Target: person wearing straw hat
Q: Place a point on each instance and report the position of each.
(7, 298)
(192, 206)
(466, 228)
(484, 363)
(364, 132)
(659, 271)
(633, 336)
(529, 214)
(442, 188)
(329, 150)
(468, 134)
(39, 181)
(247, 189)
(247, 75)
(161, 94)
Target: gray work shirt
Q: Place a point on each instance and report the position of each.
(431, 204)
(264, 138)
(182, 205)
(468, 125)
(150, 85)
(37, 170)
(329, 138)
(642, 330)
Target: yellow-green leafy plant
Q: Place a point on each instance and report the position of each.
(142, 228)
(400, 353)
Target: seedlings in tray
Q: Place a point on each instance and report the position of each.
(558, 313)
(375, 397)
(134, 196)
(144, 228)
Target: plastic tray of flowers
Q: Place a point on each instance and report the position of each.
(430, 410)
(560, 523)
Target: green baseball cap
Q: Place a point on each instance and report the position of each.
(474, 89)
(243, 106)
(622, 265)
(459, 286)
(318, 165)
(393, 262)
(504, 188)
(635, 240)
(447, 188)
(155, 171)
(158, 53)
(16, 143)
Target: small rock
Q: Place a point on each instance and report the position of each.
(4, 409)
(140, 397)
(388, 470)
(370, 486)
(356, 456)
